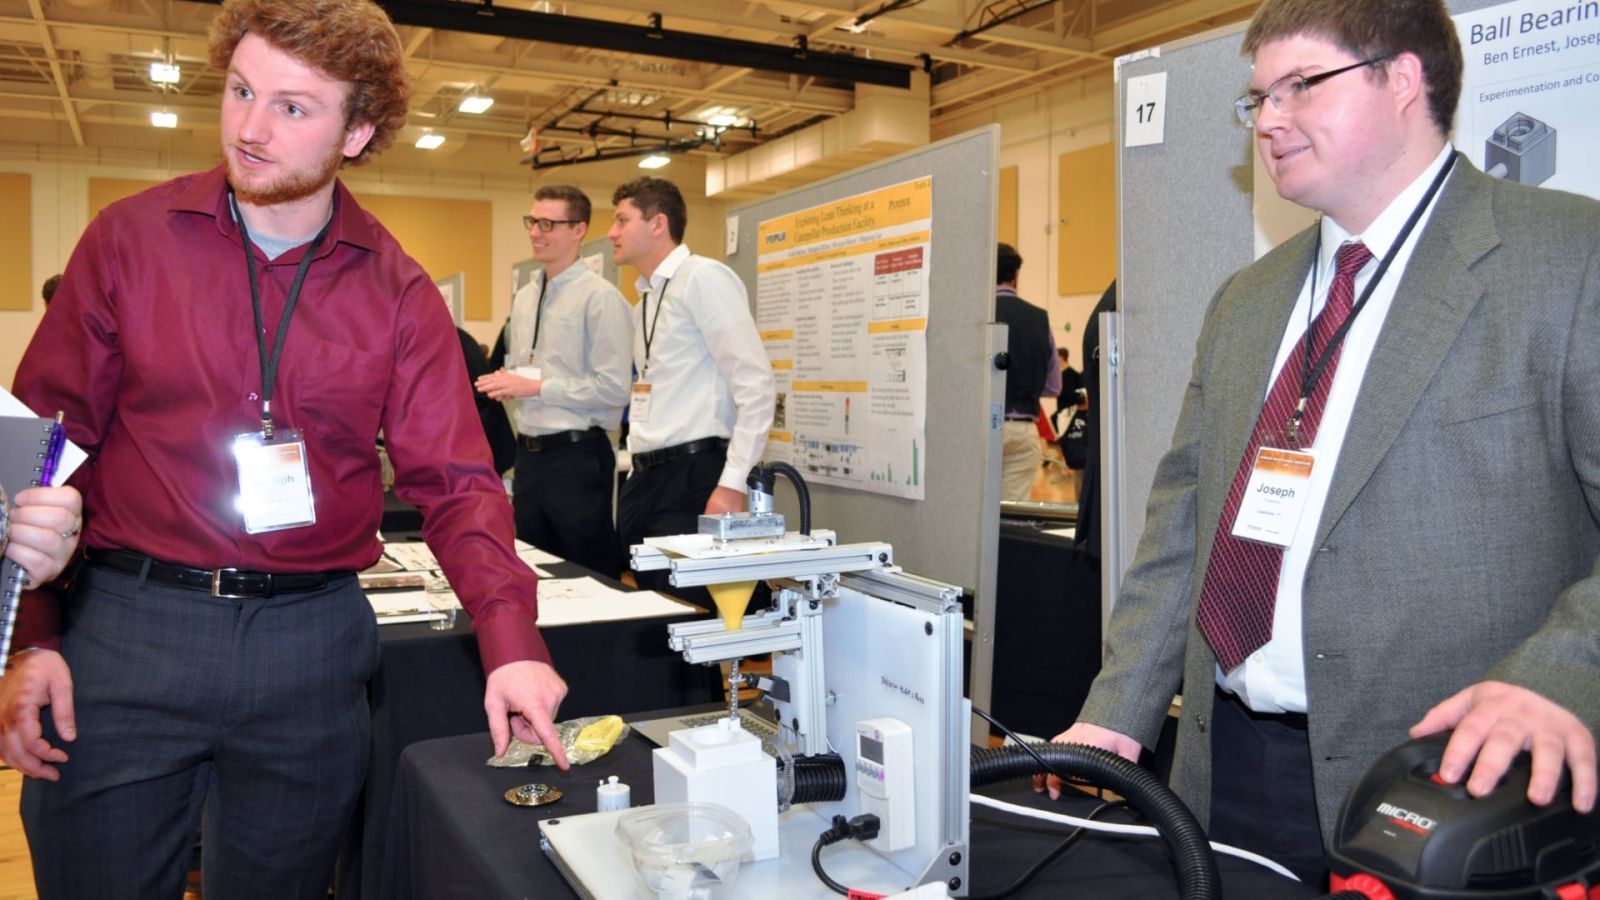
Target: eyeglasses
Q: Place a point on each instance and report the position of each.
(1289, 92)
(529, 223)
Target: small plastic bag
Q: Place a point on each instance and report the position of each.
(585, 739)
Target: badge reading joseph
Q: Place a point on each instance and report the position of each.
(274, 481)
(1275, 496)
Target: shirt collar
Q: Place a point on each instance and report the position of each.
(208, 196)
(567, 274)
(1005, 289)
(664, 271)
(1381, 234)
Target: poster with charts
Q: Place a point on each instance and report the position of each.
(842, 306)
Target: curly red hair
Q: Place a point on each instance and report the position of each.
(348, 40)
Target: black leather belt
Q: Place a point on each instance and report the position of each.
(535, 443)
(650, 458)
(1295, 720)
(226, 582)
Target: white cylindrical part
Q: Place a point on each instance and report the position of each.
(612, 794)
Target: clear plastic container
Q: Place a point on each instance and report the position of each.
(686, 851)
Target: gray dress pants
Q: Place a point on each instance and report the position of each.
(250, 714)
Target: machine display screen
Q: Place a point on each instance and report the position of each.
(871, 749)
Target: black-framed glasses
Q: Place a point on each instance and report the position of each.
(529, 223)
(1289, 92)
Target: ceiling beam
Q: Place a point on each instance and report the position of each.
(1170, 21)
(55, 71)
(868, 41)
(652, 40)
(598, 75)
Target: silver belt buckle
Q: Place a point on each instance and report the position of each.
(216, 583)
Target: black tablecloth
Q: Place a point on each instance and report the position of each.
(1046, 630)
(451, 834)
(430, 684)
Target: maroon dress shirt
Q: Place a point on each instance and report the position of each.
(149, 349)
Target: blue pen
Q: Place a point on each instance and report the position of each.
(52, 452)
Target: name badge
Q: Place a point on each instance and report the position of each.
(1275, 496)
(274, 481)
(639, 405)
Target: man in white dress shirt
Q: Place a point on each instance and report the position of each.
(564, 354)
(704, 395)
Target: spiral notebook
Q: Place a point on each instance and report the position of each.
(26, 460)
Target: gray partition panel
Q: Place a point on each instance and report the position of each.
(1185, 226)
(951, 535)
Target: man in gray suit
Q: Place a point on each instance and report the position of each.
(1402, 536)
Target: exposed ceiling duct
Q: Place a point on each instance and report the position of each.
(649, 40)
(884, 122)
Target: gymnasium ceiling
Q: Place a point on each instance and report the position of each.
(611, 77)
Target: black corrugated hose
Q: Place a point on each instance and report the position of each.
(800, 490)
(1192, 858)
(819, 779)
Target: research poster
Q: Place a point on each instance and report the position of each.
(1530, 91)
(842, 306)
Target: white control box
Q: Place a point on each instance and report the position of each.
(885, 781)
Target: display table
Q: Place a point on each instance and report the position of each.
(430, 684)
(451, 834)
(1046, 629)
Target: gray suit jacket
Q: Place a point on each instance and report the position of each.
(1462, 528)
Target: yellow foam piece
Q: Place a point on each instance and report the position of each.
(599, 736)
(731, 600)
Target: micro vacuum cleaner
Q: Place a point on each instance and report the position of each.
(1405, 834)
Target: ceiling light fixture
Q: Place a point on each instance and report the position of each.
(475, 104)
(654, 161)
(164, 119)
(165, 72)
(429, 141)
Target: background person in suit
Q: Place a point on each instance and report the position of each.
(1033, 373)
(492, 413)
(1462, 399)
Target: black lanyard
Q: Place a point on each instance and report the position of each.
(269, 366)
(649, 327)
(1313, 373)
(538, 311)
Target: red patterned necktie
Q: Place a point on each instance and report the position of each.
(1241, 585)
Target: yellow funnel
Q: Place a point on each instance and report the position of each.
(731, 601)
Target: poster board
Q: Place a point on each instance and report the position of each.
(952, 534)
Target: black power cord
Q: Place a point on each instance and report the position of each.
(863, 828)
(1066, 844)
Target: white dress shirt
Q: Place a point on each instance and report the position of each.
(708, 372)
(583, 353)
(1273, 679)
